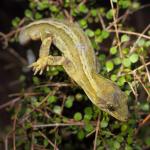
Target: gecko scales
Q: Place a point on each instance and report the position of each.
(79, 61)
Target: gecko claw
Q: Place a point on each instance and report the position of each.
(40, 65)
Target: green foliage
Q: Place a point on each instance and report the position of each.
(77, 116)
(109, 66)
(68, 111)
(125, 38)
(69, 102)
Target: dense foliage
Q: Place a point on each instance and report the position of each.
(55, 112)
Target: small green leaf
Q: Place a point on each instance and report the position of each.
(36, 80)
(38, 15)
(43, 5)
(120, 138)
(77, 116)
(124, 3)
(15, 21)
(83, 8)
(114, 1)
(102, 57)
(52, 99)
(104, 123)
(116, 145)
(129, 140)
(54, 8)
(94, 12)
(28, 13)
(98, 39)
(125, 38)
(87, 117)
(104, 34)
(69, 102)
(147, 141)
(126, 62)
(147, 44)
(135, 5)
(89, 32)
(117, 61)
(88, 110)
(83, 23)
(109, 66)
(46, 89)
(128, 147)
(141, 43)
(113, 50)
(81, 135)
(109, 14)
(113, 77)
(57, 109)
(79, 97)
(97, 32)
(134, 58)
(88, 127)
(145, 107)
(125, 51)
(121, 81)
(45, 142)
(124, 127)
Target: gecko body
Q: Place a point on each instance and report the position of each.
(78, 60)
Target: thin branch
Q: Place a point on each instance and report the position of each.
(116, 28)
(139, 37)
(101, 21)
(138, 78)
(60, 125)
(148, 73)
(49, 141)
(96, 133)
(11, 102)
(131, 33)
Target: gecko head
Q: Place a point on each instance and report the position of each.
(113, 101)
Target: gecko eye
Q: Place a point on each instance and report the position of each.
(110, 107)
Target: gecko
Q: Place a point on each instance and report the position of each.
(78, 60)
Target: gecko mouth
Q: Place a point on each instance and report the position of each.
(122, 116)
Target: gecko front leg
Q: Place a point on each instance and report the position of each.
(45, 62)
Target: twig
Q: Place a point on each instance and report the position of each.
(101, 21)
(5, 40)
(131, 33)
(96, 132)
(140, 36)
(60, 125)
(6, 143)
(11, 102)
(134, 92)
(142, 123)
(145, 120)
(49, 141)
(148, 74)
(116, 28)
(124, 16)
(142, 84)
(43, 101)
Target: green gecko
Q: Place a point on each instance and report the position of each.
(79, 61)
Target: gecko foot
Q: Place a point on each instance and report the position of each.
(41, 64)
